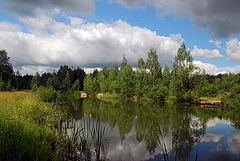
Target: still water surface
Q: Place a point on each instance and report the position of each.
(132, 131)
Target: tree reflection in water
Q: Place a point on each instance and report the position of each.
(167, 132)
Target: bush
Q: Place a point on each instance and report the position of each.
(47, 94)
(189, 96)
(209, 90)
(3, 86)
(235, 89)
(73, 95)
(159, 92)
(232, 101)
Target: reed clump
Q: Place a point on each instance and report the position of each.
(27, 127)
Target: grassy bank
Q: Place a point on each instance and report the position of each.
(228, 100)
(26, 127)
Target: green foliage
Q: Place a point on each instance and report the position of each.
(166, 75)
(71, 95)
(35, 83)
(183, 68)
(208, 90)
(232, 100)
(149, 80)
(21, 142)
(22, 82)
(9, 85)
(153, 66)
(126, 80)
(76, 85)
(6, 70)
(235, 89)
(66, 83)
(159, 92)
(47, 94)
(103, 83)
(63, 80)
(183, 80)
(226, 81)
(141, 83)
(91, 84)
(3, 86)
(141, 64)
(112, 79)
(27, 127)
(189, 96)
(52, 82)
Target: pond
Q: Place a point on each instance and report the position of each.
(125, 131)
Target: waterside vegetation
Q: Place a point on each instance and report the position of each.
(179, 82)
(27, 127)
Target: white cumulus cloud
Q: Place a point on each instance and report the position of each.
(233, 49)
(217, 43)
(213, 69)
(53, 43)
(206, 53)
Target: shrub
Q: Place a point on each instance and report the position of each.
(235, 89)
(159, 92)
(232, 101)
(188, 96)
(3, 86)
(209, 90)
(71, 94)
(47, 94)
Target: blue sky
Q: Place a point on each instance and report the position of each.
(40, 36)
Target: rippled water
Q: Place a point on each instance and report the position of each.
(132, 131)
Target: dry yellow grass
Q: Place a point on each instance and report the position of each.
(26, 106)
(18, 96)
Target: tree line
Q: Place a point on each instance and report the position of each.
(65, 78)
(179, 81)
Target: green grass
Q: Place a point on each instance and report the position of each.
(27, 127)
(209, 99)
(217, 98)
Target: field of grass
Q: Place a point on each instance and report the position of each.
(26, 127)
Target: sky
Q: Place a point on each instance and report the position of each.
(39, 36)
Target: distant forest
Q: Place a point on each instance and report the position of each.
(183, 82)
(64, 79)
